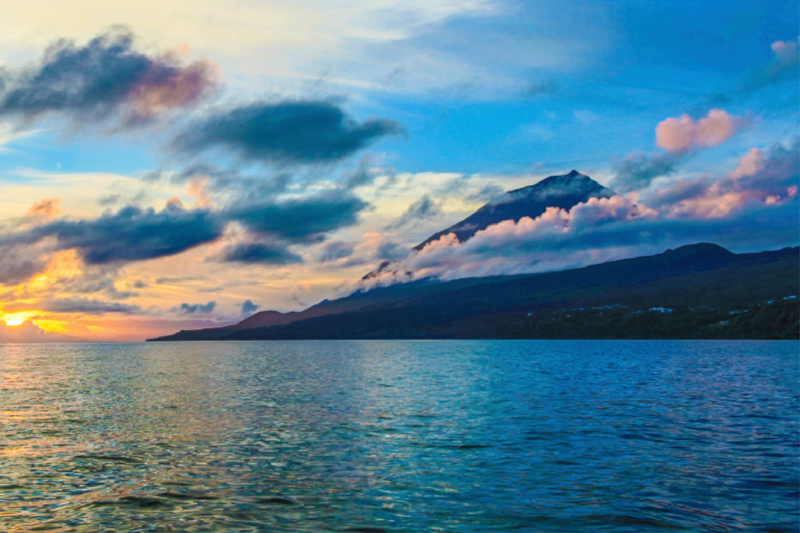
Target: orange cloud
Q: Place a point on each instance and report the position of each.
(47, 209)
(197, 189)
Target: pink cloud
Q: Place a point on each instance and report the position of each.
(755, 180)
(168, 86)
(749, 164)
(683, 133)
(604, 229)
(787, 55)
(676, 134)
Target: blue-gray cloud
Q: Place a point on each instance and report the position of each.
(336, 250)
(422, 209)
(299, 220)
(637, 170)
(202, 309)
(86, 305)
(130, 234)
(249, 307)
(105, 78)
(260, 253)
(292, 132)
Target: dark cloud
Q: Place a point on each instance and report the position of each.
(248, 307)
(292, 132)
(202, 309)
(304, 219)
(105, 78)
(336, 250)
(637, 170)
(422, 209)
(130, 234)
(260, 253)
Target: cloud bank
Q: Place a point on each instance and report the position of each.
(759, 198)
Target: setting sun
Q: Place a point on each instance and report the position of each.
(15, 321)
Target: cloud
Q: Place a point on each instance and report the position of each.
(248, 307)
(754, 203)
(305, 219)
(20, 263)
(130, 234)
(45, 209)
(488, 193)
(638, 170)
(290, 132)
(423, 209)
(93, 281)
(758, 179)
(259, 253)
(683, 133)
(105, 78)
(202, 309)
(360, 176)
(783, 67)
(373, 248)
(336, 250)
(86, 306)
(178, 279)
(391, 251)
(28, 332)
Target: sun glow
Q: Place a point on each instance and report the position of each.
(15, 321)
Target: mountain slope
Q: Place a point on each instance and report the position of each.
(697, 291)
(563, 191)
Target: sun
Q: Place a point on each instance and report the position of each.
(15, 322)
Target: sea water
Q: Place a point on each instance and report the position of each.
(415, 436)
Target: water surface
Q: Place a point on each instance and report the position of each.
(455, 436)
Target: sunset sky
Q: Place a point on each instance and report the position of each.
(183, 164)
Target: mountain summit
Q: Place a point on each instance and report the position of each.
(564, 191)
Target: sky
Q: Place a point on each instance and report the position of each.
(168, 166)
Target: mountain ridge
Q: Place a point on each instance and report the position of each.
(563, 191)
(699, 284)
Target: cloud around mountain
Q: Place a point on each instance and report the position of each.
(759, 198)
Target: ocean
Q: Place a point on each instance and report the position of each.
(412, 436)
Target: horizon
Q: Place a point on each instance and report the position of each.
(184, 170)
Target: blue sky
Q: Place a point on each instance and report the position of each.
(437, 99)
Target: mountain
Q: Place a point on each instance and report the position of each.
(563, 191)
(692, 292)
